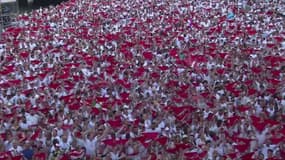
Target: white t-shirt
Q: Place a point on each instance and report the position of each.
(90, 146)
(23, 126)
(64, 145)
(32, 119)
(115, 156)
(147, 123)
(16, 151)
(261, 137)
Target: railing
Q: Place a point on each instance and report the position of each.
(9, 10)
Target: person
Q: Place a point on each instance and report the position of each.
(28, 151)
(55, 152)
(150, 74)
(16, 149)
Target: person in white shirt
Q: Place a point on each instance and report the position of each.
(65, 143)
(32, 118)
(16, 149)
(90, 143)
(23, 124)
(18, 98)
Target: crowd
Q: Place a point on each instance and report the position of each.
(144, 80)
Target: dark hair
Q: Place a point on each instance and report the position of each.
(55, 141)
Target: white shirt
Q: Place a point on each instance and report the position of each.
(16, 151)
(245, 100)
(210, 153)
(32, 119)
(64, 145)
(90, 146)
(86, 72)
(115, 156)
(271, 111)
(261, 137)
(23, 126)
(147, 123)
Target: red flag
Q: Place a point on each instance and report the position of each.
(148, 55)
(162, 140)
